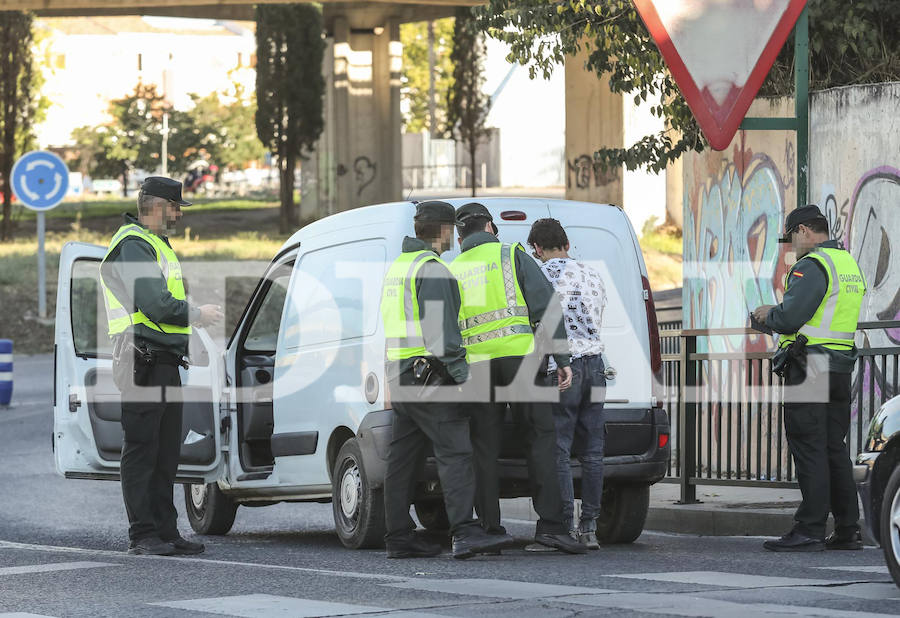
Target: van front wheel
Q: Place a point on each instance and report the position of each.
(358, 508)
(622, 513)
(208, 509)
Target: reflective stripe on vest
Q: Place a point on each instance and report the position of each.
(118, 317)
(402, 329)
(493, 316)
(834, 323)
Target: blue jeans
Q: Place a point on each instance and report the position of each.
(577, 415)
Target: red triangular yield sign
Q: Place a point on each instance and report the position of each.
(719, 52)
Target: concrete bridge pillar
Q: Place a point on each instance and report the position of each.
(358, 159)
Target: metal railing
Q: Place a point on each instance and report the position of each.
(726, 410)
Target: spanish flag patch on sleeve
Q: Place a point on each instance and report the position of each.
(796, 274)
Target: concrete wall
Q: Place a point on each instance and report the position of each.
(735, 203)
(597, 118)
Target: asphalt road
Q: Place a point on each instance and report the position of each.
(62, 554)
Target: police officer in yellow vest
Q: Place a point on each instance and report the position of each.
(504, 296)
(817, 321)
(420, 304)
(149, 320)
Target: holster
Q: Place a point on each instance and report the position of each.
(126, 357)
(794, 354)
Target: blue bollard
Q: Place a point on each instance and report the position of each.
(6, 371)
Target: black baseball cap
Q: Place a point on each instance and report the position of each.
(474, 209)
(804, 214)
(163, 187)
(435, 210)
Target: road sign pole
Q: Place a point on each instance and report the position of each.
(801, 104)
(42, 278)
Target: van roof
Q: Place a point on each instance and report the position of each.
(400, 212)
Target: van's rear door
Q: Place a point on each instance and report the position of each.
(601, 236)
(87, 432)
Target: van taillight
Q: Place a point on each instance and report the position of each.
(513, 215)
(655, 349)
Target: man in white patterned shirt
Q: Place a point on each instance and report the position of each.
(583, 296)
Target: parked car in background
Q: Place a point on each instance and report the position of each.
(294, 408)
(877, 475)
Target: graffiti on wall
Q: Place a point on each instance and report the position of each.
(731, 253)
(584, 170)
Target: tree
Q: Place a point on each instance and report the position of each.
(416, 86)
(136, 130)
(850, 42)
(289, 90)
(226, 122)
(467, 104)
(21, 105)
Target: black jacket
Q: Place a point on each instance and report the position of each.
(133, 275)
(804, 294)
(436, 287)
(538, 292)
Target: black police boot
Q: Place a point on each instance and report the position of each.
(151, 546)
(474, 540)
(844, 541)
(795, 541)
(562, 542)
(411, 546)
(183, 547)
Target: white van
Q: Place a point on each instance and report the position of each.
(294, 408)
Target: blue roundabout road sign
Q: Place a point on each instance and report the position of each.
(40, 180)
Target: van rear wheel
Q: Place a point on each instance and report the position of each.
(622, 513)
(358, 508)
(209, 510)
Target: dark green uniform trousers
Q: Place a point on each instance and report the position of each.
(816, 434)
(150, 453)
(415, 424)
(486, 419)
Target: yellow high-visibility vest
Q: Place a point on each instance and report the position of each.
(493, 316)
(117, 315)
(834, 323)
(400, 307)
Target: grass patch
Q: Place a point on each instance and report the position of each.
(114, 207)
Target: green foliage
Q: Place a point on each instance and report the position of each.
(226, 121)
(467, 105)
(22, 107)
(414, 37)
(289, 89)
(851, 42)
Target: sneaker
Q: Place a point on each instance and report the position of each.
(795, 541)
(183, 547)
(588, 538)
(844, 541)
(477, 541)
(151, 546)
(411, 546)
(563, 542)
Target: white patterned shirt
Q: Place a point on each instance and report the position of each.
(583, 297)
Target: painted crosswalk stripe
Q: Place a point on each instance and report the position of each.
(696, 606)
(48, 568)
(272, 606)
(859, 568)
(728, 580)
(495, 588)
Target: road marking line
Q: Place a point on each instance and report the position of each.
(882, 568)
(674, 604)
(48, 568)
(272, 606)
(496, 588)
(280, 567)
(23, 615)
(730, 580)
(870, 591)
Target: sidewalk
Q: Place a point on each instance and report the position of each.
(722, 511)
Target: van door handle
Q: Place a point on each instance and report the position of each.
(74, 402)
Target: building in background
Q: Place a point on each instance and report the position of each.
(94, 60)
